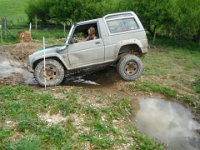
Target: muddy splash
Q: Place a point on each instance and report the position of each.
(170, 123)
(8, 66)
(13, 71)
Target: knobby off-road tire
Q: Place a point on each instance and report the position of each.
(54, 73)
(129, 67)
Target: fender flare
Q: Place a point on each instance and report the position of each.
(128, 42)
(50, 55)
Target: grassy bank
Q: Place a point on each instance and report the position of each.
(14, 11)
(78, 117)
(172, 70)
(32, 120)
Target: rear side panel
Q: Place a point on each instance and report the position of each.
(133, 34)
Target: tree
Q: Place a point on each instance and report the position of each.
(178, 19)
(39, 8)
(186, 22)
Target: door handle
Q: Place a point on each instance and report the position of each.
(97, 42)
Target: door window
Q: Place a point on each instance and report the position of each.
(87, 32)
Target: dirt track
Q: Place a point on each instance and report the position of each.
(13, 69)
(104, 82)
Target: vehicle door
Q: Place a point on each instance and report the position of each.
(82, 52)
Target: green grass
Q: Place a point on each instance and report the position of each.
(149, 87)
(13, 10)
(21, 105)
(172, 65)
(196, 85)
(172, 70)
(152, 87)
(28, 143)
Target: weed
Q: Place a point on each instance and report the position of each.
(196, 85)
(121, 108)
(90, 111)
(145, 143)
(4, 136)
(189, 99)
(98, 126)
(28, 143)
(148, 86)
(103, 142)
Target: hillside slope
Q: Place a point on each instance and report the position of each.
(13, 10)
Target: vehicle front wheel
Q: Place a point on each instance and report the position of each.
(129, 67)
(54, 73)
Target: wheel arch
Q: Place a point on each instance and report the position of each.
(61, 61)
(133, 45)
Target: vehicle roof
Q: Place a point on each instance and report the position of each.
(119, 15)
(85, 22)
(112, 15)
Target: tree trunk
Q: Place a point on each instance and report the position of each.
(154, 34)
(4, 27)
(199, 38)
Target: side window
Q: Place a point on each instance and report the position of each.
(122, 25)
(85, 32)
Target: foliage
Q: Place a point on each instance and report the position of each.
(175, 18)
(30, 143)
(186, 21)
(196, 85)
(39, 8)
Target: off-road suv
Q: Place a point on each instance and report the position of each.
(120, 39)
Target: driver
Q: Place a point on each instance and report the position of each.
(91, 34)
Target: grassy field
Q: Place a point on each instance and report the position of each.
(78, 117)
(14, 11)
(172, 70)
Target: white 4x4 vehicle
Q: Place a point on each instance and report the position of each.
(117, 38)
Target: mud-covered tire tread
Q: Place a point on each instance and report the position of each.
(58, 66)
(121, 67)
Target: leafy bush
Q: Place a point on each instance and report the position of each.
(174, 18)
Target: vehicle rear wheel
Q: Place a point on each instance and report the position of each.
(129, 67)
(54, 73)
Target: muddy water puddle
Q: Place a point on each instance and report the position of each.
(168, 122)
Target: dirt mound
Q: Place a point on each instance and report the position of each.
(19, 51)
(13, 68)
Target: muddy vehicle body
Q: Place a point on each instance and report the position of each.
(120, 39)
